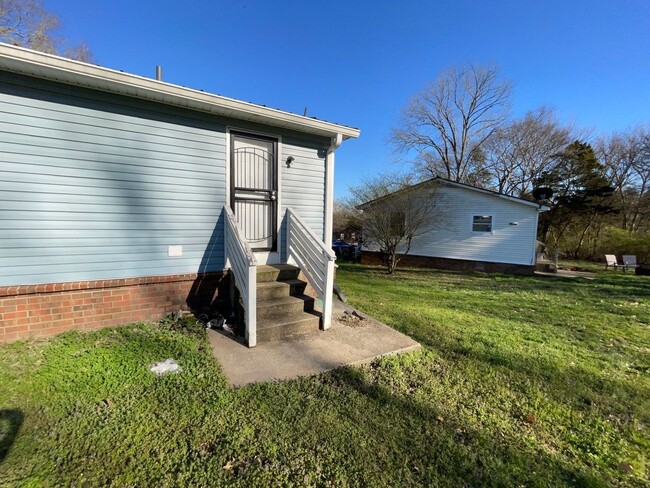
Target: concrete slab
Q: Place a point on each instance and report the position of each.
(567, 273)
(308, 354)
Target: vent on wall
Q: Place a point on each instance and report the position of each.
(174, 251)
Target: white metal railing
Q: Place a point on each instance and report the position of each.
(307, 251)
(242, 263)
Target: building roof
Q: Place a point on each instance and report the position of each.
(454, 184)
(55, 68)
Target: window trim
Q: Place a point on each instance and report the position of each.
(482, 232)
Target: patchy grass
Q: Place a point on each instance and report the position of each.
(521, 381)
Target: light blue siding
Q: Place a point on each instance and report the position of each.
(98, 187)
(303, 184)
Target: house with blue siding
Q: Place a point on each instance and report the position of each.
(123, 198)
(473, 229)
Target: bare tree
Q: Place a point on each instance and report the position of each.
(394, 212)
(627, 159)
(641, 168)
(520, 151)
(447, 124)
(26, 23)
(346, 218)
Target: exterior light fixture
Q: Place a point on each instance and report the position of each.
(290, 160)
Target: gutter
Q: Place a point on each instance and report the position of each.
(58, 69)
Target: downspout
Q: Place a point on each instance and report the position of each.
(327, 230)
(329, 189)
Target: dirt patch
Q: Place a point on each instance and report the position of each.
(352, 318)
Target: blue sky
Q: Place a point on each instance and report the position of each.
(358, 62)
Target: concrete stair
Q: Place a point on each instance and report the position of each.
(545, 267)
(283, 309)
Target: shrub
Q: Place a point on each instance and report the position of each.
(619, 242)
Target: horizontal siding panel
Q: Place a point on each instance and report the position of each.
(78, 201)
(99, 192)
(127, 261)
(117, 188)
(307, 144)
(132, 225)
(26, 124)
(57, 140)
(100, 247)
(131, 130)
(310, 174)
(70, 192)
(89, 219)
(26, 210)
(146, 160)
(303, 184)
(89, 177)
(85, 245)
(100, 109)
(63, 275)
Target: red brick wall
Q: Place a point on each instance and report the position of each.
(47, 309)
(368, 257)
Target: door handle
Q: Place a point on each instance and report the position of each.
(273, 196)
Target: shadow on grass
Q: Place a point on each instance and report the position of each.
(10, 423)
(452, 450)
(611, 287)
(571, 385)
(563, 383)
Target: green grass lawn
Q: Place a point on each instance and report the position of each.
(521, 381)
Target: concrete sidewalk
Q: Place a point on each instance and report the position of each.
(308, 354)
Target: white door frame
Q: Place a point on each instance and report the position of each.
(263, 257)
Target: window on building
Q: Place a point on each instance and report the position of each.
(482, 223)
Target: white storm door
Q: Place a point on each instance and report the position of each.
(254, 188)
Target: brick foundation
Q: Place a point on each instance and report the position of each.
(374, 258)
(47, 309)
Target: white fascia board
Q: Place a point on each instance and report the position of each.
(55, 68)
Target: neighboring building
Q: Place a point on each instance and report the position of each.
(477, 229)
(123, 198)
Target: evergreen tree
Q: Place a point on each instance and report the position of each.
(582, 193)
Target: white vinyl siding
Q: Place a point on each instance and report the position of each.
(453, 235)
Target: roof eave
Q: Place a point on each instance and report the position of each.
(522, 201)
(463, 186)
(63, 70)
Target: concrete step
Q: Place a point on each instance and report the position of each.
(281, 307)
(297, 323)
(278, 289)
(276, 272)
(546, 267)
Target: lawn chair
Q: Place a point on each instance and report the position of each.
(629, 262)
(610, 262)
